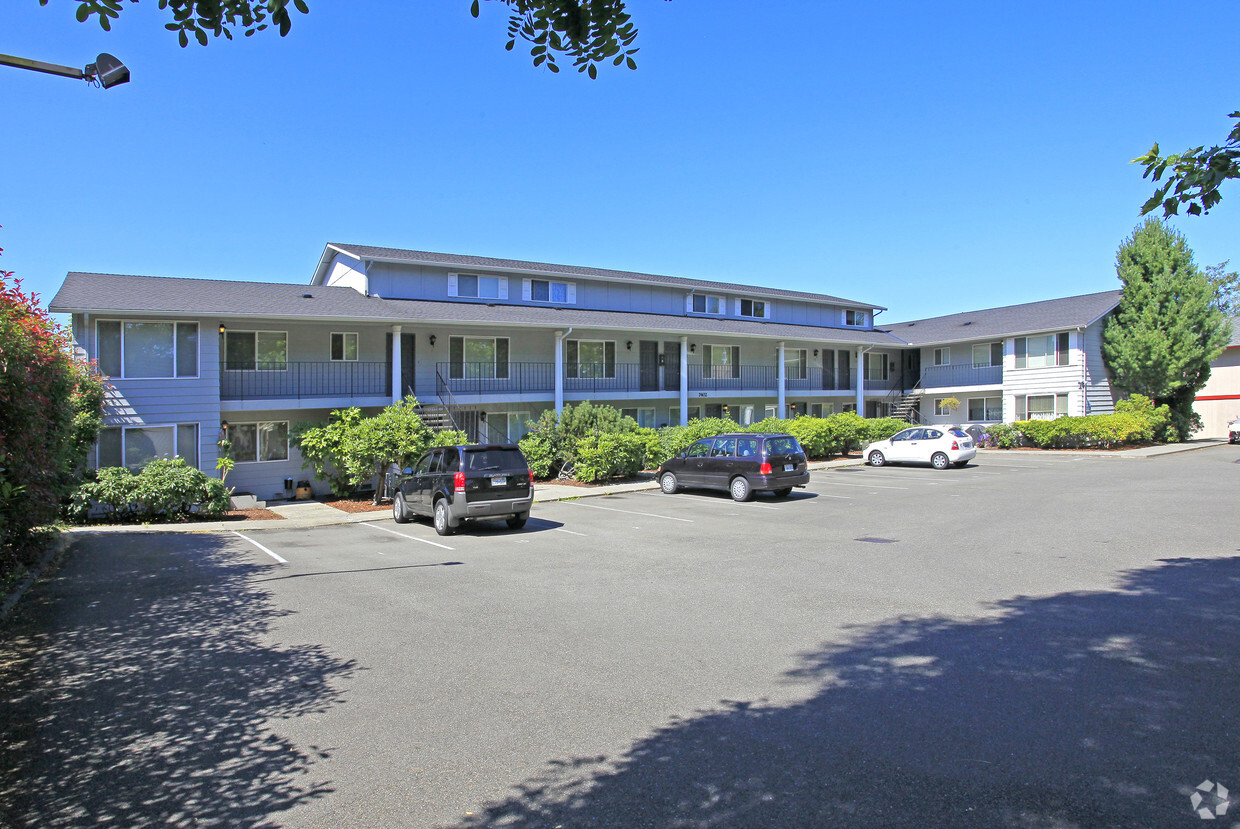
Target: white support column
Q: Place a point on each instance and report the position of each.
(861, 380)
(684, 381)
(781, 411)
(398, 393)
(559, 371)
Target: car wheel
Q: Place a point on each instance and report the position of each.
(443, 525)
(740, 489)
(877, 458)
(516, 522)
(398, 510)
(669, 484)
(783, 492)
(939, 461)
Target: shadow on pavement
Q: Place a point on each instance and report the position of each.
(135, 686)
(1076, 710)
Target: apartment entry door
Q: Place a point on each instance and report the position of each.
(407, 368)
(671, 366)
(648, 356)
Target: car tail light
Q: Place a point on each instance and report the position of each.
(764, 469)
(955, 444)
(458, 482)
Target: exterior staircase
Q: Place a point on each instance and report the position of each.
(436, 416)
(908, 407)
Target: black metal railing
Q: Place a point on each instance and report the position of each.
(937, 377)
(257, 381)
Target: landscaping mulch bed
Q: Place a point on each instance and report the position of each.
(355, 505)
(255, 514)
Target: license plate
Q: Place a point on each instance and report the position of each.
(499, 480)
(789, 467)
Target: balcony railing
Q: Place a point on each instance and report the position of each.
(593, 378)
(305, 380)
(937, 377)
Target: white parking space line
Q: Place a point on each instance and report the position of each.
(260, 546)
(570, 532)
(863, 486)
(825, 495)
(887, 477)
(630, 512)
(696, 501)
(410, 537)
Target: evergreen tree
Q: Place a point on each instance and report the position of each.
(1167, 329)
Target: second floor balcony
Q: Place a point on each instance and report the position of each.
(301, 381)
(939, 377)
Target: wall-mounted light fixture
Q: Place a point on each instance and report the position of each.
(431, 340)
(629, 345)
(222, 329)
(224, 425)
(692, 347)
(815, 352)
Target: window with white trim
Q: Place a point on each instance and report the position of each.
(476, 286)
(644, 416)
(134, 447)
(259, 442)
(985, 409)
(548, 290)
(590, 359)
(475, 358)
(941, 410)
(875, 366)
(855, 318)
(256, 350)
(943, 356)
(1042, 351)
(344, 346)
(706, 304)
(147, 350)
(1041, 406)
(518, 425)
(722, 362)
(987, 354)
(796, 363)
(756, 308)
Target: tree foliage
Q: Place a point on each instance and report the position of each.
(51, 409)
(351, 450)
(1195, 175)
(1226, 286)
(589, 32)
(1167, 329)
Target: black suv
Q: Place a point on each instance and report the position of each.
(456, 483)
(742, 464)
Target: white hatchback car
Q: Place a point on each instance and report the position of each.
(939, 446)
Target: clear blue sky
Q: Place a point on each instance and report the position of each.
(929, 157)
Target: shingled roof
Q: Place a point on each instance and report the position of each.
(453, 260)
(1010, 320)
(166, 296)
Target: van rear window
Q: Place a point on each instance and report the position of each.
(783, 446)
(478, 460)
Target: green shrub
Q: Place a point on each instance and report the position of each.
(881, 428)
(676, 439)
(563, 431)
(848, 431)
(1002, 436)
(538, 454)
(1157, 417)
(609, 454)
(166, 490)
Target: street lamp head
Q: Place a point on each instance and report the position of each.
(108, 71)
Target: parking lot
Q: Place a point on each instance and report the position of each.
(1035, 640)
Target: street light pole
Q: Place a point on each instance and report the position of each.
(106, 69)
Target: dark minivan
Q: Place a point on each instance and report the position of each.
(455, 483)
(742, 464)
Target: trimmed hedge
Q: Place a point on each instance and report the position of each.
(166, 490)
(609, 454)
(1136, 420)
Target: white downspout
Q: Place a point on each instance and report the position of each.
(398, 393)
(861, 352)
(781, 383)
(684, 381)
(559, 368)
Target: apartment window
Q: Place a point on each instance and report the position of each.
(546, 290)
(259, 442)
(942, 356)
(855, 317)
(135, 446)
(518, 425)
(643, 416)
(875, 366)
(987, 354)
(706, 304)
(476, 358)
(256, 350)
(344, 346)
(985, 409)
(147, 350)
(1041, 406)
(472, 286)
(722, 362)
(939, 409)
(1042, 351)
(796, 363)
(591, 359)
(754, 308)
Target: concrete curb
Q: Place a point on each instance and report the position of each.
(59, 544)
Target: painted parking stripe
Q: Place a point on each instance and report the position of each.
(259, 546)
(923, 479)
(696, 501)
(863, 486)
(631, 512)
(825, 495)
(403, 535)
(570, 532)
